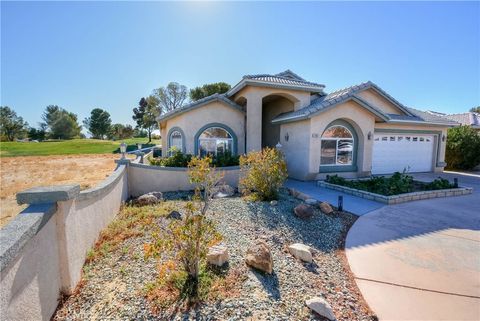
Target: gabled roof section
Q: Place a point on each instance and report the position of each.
(327, 102)
(199, 103)
(286, 79)
(335, 98)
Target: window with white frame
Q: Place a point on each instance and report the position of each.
(214, 140)
(337, 146)
(176, 140)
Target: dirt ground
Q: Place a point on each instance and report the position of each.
(20, 173)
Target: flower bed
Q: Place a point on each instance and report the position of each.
(398, 188)
(119, 276)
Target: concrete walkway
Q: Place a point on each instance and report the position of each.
(421, 260)
(352, 204)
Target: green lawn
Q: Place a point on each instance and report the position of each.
(68, 147)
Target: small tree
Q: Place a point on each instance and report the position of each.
(263, 173)
(98, 124)
(11, 125)
(463, 148)
(188, 239)
(146, 115)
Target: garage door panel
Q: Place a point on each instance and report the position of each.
(394, 153)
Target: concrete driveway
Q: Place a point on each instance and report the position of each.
(421, 260)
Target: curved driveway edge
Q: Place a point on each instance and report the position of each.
(420, 260)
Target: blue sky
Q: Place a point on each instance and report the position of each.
(82, 55)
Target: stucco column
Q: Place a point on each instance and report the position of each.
(254, 123)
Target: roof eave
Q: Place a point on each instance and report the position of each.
(244, 82)
(420, 122)
(180, 111)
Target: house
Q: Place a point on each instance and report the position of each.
(353, 132)
(469, 119)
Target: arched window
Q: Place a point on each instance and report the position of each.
(176, 140)
(215, 140)
(337, 146)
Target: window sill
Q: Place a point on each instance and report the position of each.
(337, 168)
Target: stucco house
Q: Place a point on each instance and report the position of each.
(354, 132)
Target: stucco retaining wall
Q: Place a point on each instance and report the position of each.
(42, 251)
(144, 178)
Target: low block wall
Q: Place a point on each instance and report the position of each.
(401, 198)
(43, 249)
(146, 178)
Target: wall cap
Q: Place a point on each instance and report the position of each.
(48, 194)
(15, 235)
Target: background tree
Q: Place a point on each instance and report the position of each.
(145, 115)
(11, 125)
(120, 131)
(171, 97)
(37, 133)
(60, 123)
(208, 90)
(463, 148)
(99, 123)
(475, 109)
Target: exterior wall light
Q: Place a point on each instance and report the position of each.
(286, 137)
(443, 138)
(369, 135)
(123, 149)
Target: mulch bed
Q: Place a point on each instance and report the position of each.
(113, 287)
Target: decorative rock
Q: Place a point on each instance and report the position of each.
(293, 192)
(158, 195)
(326, 208)
(302, 196)
(273, 203)
(260, 257)
(321, 307)
(222, 191)
(311, 201)
(303, 211)
(147, 199)
(217, 255)
(174, 215)
(301, 251)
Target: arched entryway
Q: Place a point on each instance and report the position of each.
(272, 106)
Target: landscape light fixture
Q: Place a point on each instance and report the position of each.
(123, 149)
(139, 146)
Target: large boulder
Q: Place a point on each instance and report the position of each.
(217, 255)
(149, 199)
(321, 307)
(301, 252)
(326, 208)
(222, 191)
(260, 257)
(303, 211)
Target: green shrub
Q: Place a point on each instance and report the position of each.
(175, 159)
(439, 183)
(398, 183)
(263, 173)
(225, 159)
(463, 148)
(178, 159)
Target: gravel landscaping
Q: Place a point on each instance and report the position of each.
(113, 287)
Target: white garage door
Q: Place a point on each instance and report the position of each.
(394, 153)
